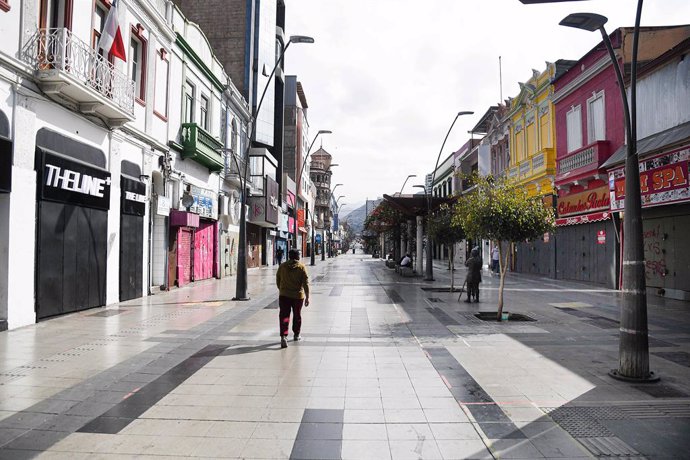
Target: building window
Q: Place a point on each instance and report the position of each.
(596, 120)
(137, 62)
(160, 97)
(233, 134)
(188, 102)
(203, 110)
(100, 12)
(574, 128)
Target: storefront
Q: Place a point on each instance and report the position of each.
(587, 238)
(665, 193)
(72, 225)
(133, 210)
(5, 189)
(538, 256)
(205, 205)
(261, 233)
(182, 227)
(229, 232)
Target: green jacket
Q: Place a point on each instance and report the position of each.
(292, 280)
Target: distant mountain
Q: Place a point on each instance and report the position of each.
(357, 216)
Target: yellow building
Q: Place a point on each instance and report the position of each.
(533, 132)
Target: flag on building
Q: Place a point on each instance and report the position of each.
(111, 37)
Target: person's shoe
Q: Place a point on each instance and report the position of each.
(297, 338)
(283, 341)
(467, 301)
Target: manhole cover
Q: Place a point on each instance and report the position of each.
(491, 316)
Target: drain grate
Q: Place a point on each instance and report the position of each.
(581, 422)
(661, 391)
(435, 300)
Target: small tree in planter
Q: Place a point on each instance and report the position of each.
(384, 219)
(444, 229)
(502, 212)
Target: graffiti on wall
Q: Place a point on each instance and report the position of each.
(654, 253)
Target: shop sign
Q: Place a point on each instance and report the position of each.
(300, 218)
(272, 209)
(317, 238)
(586, 219)
(336, 224)
(163, 205)
(5, 165)
(205, 202)
(663, 180)
(601, 237)
(133, 197)
(584, 202)
(283, 222)
(68, 181)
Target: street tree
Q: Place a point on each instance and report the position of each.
(501, 211)
(384, 219)
(446, 230)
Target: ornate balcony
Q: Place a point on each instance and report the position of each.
(582, 163)
(234, 168)
(70, 69)
(200, 146)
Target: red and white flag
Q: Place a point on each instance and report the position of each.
(111, 36)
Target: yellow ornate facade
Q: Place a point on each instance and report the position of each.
(533, 133)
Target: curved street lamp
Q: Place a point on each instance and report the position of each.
(241, 281)
(403, 185)
(299, 181)
(633, 352)
(429, 255)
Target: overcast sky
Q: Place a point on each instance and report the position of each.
(388, 76)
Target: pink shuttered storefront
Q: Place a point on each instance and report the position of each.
(205, 243)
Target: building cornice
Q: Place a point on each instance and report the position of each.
(198, 62)
(583, 78)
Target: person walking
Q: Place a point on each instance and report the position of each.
(279, 255)
(292, 281)
(494, 260)
(474, 275)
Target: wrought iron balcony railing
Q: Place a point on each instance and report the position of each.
(57, 53)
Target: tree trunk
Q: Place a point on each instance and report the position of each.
(503, 266)
(452, 267)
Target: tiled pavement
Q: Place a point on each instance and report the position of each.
(387, 370)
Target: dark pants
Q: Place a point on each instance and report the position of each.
(472, 291)
(288, 305)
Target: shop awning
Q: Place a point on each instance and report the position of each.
(415, 205)
(583, 219)
(669, 138)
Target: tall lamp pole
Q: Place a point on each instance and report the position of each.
(633, 353)
(323, 236)
(429, 255)
(241, 282)
(299, 178)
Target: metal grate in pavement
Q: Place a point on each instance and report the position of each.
(581, 422)
(609, 446)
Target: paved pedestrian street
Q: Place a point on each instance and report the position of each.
(389, 368)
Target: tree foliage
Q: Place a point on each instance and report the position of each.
(444, 229)
(384, 218)
(502, 211)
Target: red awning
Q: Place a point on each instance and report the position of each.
(583, 219)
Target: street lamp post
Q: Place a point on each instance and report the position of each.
(634, 337)
(406, 179)
(241, 281)
(323, 235)
(299, 184)
(429, 255)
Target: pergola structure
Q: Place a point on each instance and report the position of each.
(416, 207)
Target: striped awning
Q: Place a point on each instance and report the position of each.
(583, 219)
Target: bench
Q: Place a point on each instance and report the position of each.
(404, 271)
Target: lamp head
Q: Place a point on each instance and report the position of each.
(301, 39)
(584, 21)
(325, 131)
(333, 165)
(465, 112)
(411, 175)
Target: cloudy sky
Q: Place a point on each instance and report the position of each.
(388, 76)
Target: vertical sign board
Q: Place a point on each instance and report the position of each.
(271, 201)
(5, 165)
(601, 237)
